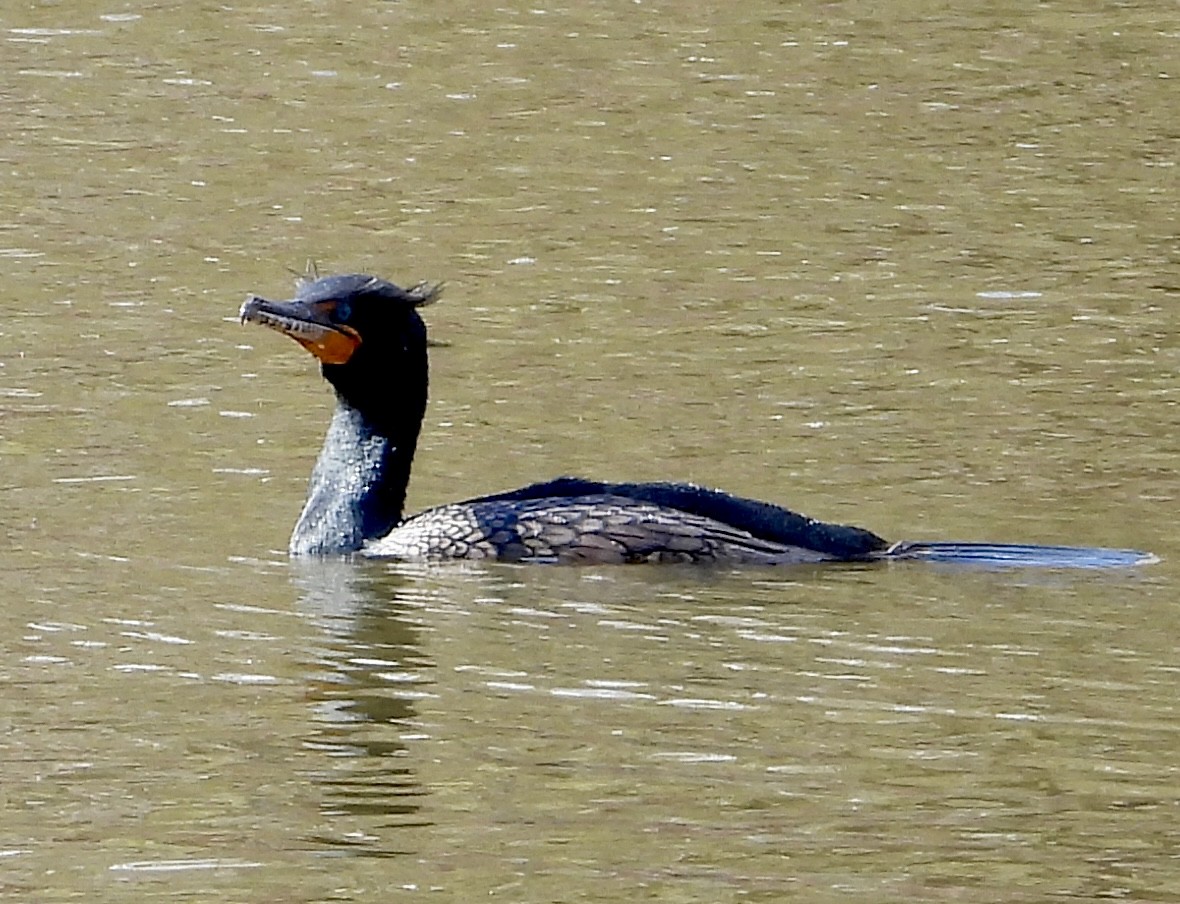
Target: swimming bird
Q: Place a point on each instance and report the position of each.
(371, 343)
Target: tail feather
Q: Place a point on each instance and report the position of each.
(1017, 555)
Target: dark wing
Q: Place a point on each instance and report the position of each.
(759, 519)
(593, 529)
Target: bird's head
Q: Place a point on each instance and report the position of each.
(348, 319)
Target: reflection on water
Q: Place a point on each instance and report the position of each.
(362, 694)
(869, 730)
(821, 727)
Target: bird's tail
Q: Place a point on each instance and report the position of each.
(1017, 555)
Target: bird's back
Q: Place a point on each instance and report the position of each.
(616, 524)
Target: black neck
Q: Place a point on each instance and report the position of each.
(358, 486)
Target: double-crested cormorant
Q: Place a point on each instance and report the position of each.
(371, 343)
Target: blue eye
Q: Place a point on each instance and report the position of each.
(342, 311)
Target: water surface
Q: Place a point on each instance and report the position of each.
(914, 271)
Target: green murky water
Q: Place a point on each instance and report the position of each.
(915, 270)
